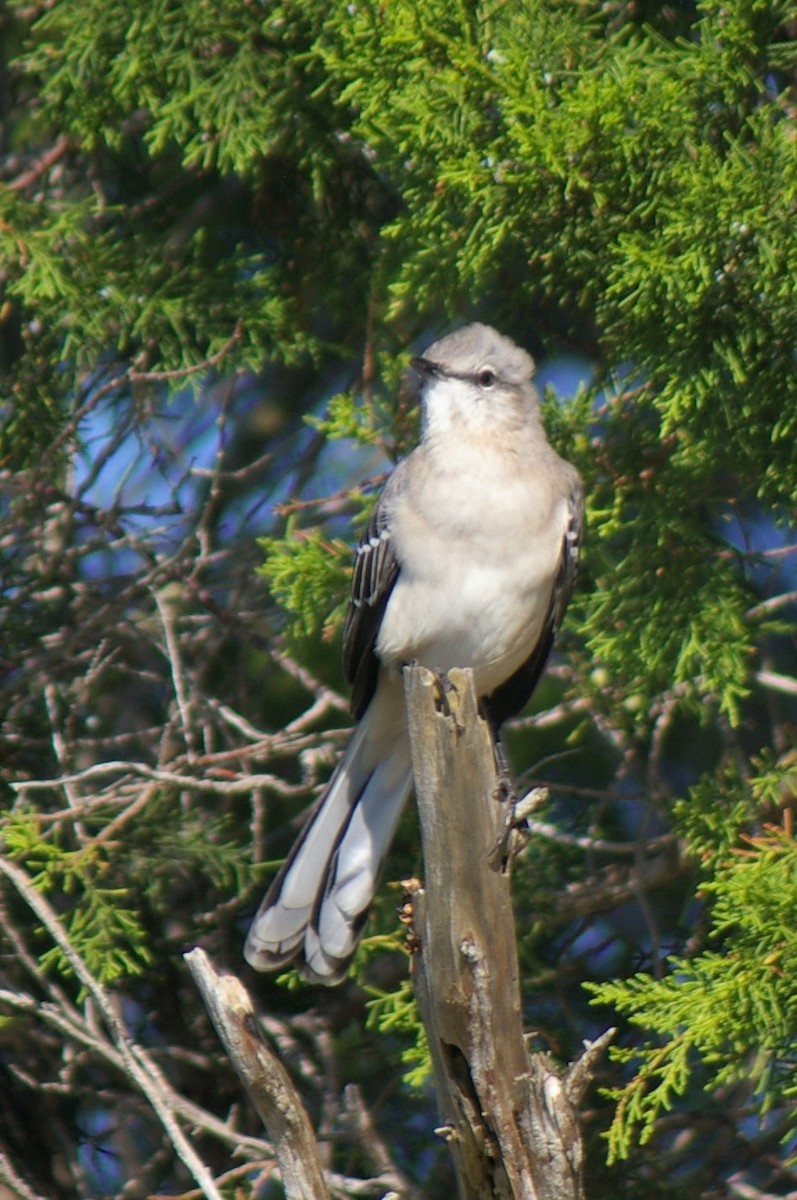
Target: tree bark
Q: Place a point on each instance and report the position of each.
(264, 1077)
(510, 1118)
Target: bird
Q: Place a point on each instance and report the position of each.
(468, 560)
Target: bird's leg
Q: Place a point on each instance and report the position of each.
(504, 790)
(508, 843)
(446, 688)
(514, 833)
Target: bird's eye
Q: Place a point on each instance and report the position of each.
(486, 378)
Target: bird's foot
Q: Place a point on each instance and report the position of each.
(504, 790)
(515, 834)
(444, 688)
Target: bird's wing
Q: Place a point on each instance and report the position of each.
(515, 692)
(376, 569)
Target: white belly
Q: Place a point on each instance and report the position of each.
(472, 593)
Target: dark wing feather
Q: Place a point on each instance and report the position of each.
(515, 692)
(375, 572)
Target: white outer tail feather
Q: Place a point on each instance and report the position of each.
(314, 910)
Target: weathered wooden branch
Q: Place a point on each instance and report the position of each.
(510, 1118)
(264, 1077)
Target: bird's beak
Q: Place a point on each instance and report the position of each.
(425, 368)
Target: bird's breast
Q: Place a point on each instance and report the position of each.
(478, 560)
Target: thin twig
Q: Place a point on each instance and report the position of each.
(264, 1077)
(132, 376)
(550, 833)
(778, 683)
(229, 787)
(18, 1186)
(66, 1020)
(137, 1063)
(41, 166)
(59, 748)
(166, 611)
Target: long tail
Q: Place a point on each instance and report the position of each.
(313, 912)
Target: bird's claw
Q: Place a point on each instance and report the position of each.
(515, 834)
(444, 688)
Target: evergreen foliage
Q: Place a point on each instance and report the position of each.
(222, 229)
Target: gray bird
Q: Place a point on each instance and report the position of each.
(468, 560)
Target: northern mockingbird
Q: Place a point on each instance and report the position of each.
(467, 561)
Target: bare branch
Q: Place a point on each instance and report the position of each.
(230, 787)
(771, 604)
(507, 1116)
(596, 845)
(264, 1077)
(60, 753)
(137, 1063)
(41, 166)
(778, 682)
(66, 1020)
(165, 605)
(367, 1136)
(18, 1186)
(134, 376)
